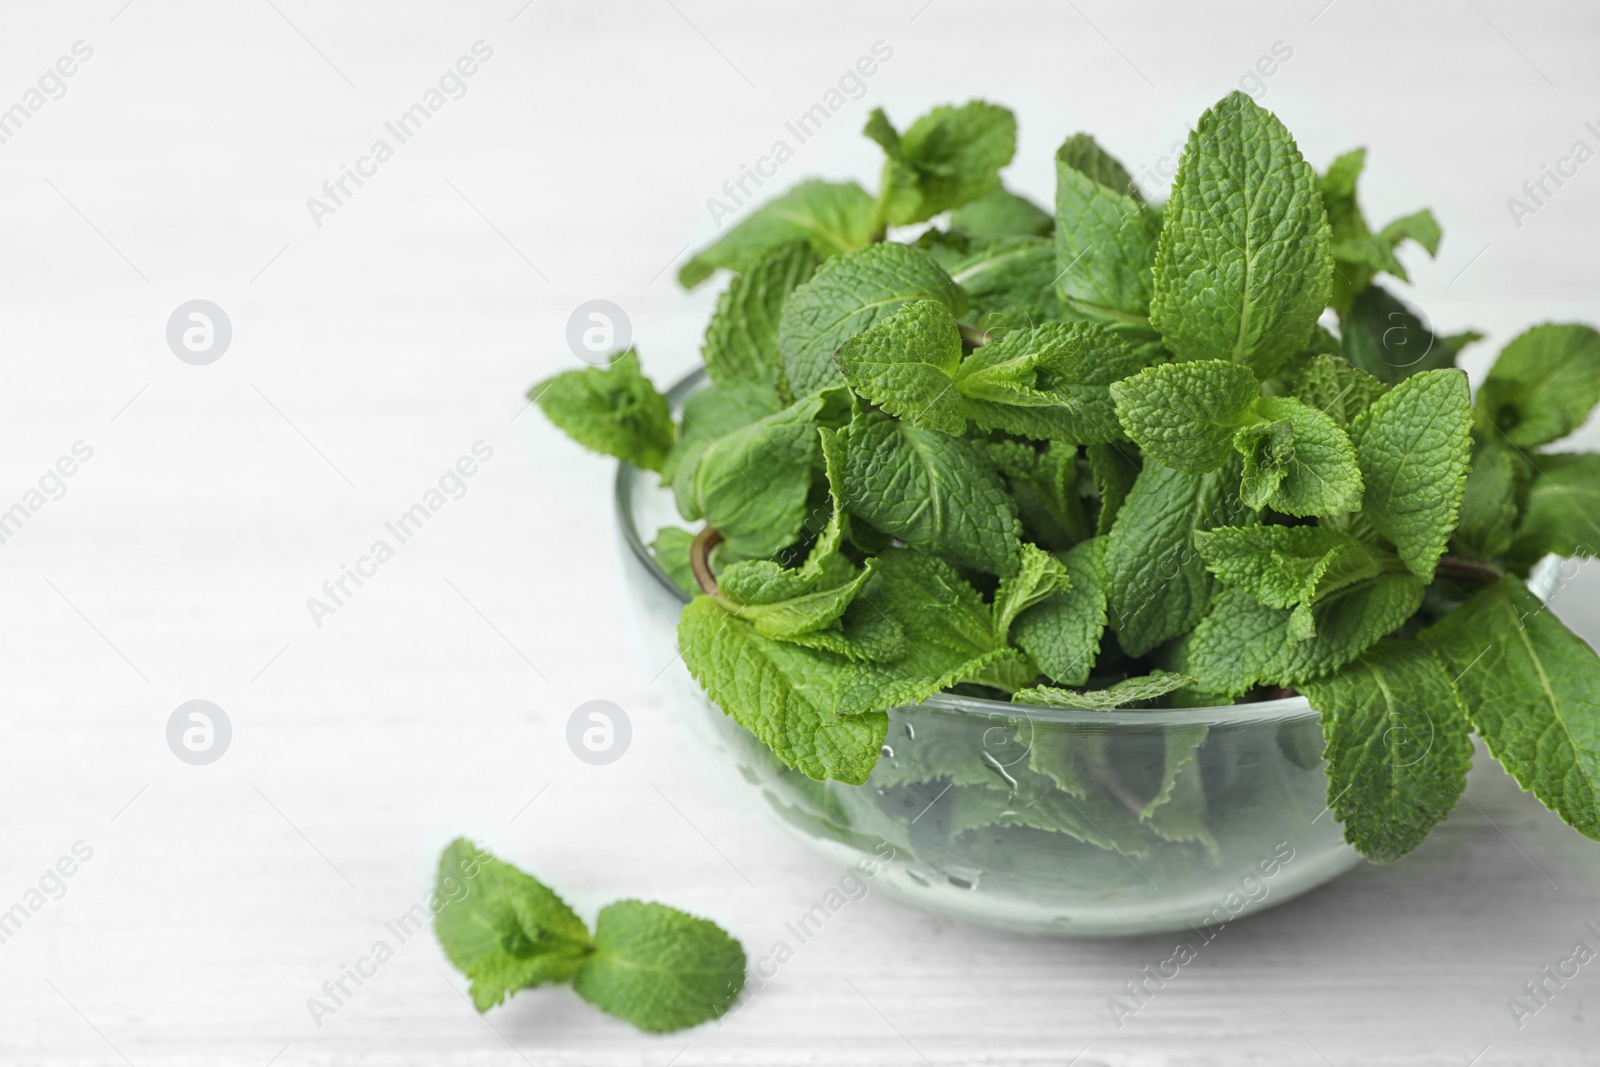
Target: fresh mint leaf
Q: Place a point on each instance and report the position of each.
(1563, 510)
(671, 550)
(1157, 584)
(1185, 415)
(1413, 445)
(659, 968)
(1131, 691)
(1397, 744)
(741, 342)
(1385, 338)
(1336, 387)
(1114, 468)
(1009, 281)
(787, 612)
(1062, 634)
(935, 492)
(713, 412)
(1298, 461)
(1105, 238)
(1044, 483)
(614, 410)
(947, 158)
(832, 218)
(1286, 566)
(906, 364)
(1543, 385)
(1358, 252)
(1040, 577)
(1489, 508)
(1002, 213)
(504, 929)
(1244, 268)
(1529, 687)
(849, 294)
(1050, 382)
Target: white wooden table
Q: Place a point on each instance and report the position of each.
(373, 345)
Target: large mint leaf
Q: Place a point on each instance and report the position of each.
(1286, 566)
(935, 492)
(1105, 237)
(1336, 387)
(1529, 686)
(614, 410)
(1299, 461)
(847, 295)
(831, 218)
(713, 412)
(1184, 415)
(1563, 509)
(1002, 213)
(1388, 340)
(906, 364)
(948, 157)
(659, 968)
(1157, 584)
(1009, 281)
(1114, 468)
(1244, 267)
(1413, 445)
(1062, 634)
(1242, 642)
(1050, 382)
(1543, 385)
(1397, 744)
(741, 342)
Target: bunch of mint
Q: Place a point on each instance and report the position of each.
(655, 966)
(1118, 456)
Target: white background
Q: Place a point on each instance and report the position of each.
(372, 351)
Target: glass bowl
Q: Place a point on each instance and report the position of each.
(1041, 820)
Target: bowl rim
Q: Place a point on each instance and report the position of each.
(1259, 712)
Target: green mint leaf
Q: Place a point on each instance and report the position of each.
(1413, 445)
(1050, 382)
(1002, 213)
(831, 218)
(1105, 237)
(906, 364)
(614, 410)
(1385, 338)
(848, 294)
(671, 551)
(1131, 691)
(864, 634)
(1156, 583)
(741, 342)
(1336, 387)
(778, 609)
(659, 968)
(1300, 461)
(1489, 508)
(935, 492)
(947, 625)
(948, 157)
(713, 412)
(1543, 385)
(1044, 483)
(1185, 415)
(1062, 634)
(1040, 577)
(1358, 252)
(1419, 226)
(1009, 281)
(504, 929)
(753, 483)
(1286, 566)
(1114, 469)
(1397, 744)
(1563, 510)
(1242, 642)
(1244, 267)
(1529, 687)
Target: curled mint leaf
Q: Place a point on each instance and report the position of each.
(613, 409)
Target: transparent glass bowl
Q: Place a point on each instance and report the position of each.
(1042, 820)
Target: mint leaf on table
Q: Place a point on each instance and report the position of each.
(1244, 267)
(1397, 744)
(1385, 338)
(1048, 382)
(1130, 691)
(1105, 238)
(1543, 385)
(1185, 415)
(656, 967)
(907, 364)
(504, 929)
(741, 342)
(1530, 692)
(848, 294)
(1002, 213)
(1413, 445)
(832, 218)
(1563, 509)
(948, 157)
(935, 492)
(1062, 633)
(1157, 585)
(614, 410)
(659, 968)
(1299, 461)
(1287, 566)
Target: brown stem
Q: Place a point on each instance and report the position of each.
(700, 558)
(973, 337)
(1469, 570)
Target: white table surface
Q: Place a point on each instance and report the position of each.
(372, 351)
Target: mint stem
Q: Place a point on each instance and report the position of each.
(700, 558)
(1469, 570)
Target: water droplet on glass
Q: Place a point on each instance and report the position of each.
(888, 752)
(911, 731)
